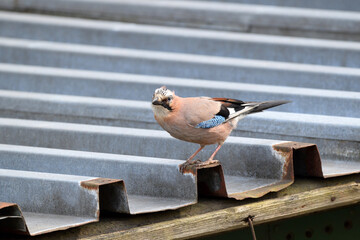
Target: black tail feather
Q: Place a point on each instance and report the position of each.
(266, 105)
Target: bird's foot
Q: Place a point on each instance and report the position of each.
(189, 163)
(208, 162)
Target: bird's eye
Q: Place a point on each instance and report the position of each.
(169, 98)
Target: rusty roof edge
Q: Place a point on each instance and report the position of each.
(261, 191)
(111, 198)
(13, 211)
(286, 179)
(287, 153)
(306, 158)
(211, 181)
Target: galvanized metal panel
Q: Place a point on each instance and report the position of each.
(108, 84)
(182, 40)
(346, 5)
(152, 184)
(165, 64)
(215, 15)
(55, 201)
(252, 167)
(337, 137)
(120, 112)
(328, 102)
(39, 192)
(240, 157)
(39, 223)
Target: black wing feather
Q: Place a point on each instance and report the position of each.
(224, 111)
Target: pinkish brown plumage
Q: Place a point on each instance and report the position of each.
(202, 120)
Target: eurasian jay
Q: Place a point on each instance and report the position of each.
(202, 120)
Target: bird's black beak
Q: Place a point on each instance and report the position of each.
(156, 101)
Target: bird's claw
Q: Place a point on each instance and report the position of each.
(189, 163)
(193, 162)
(197, 163)
(208, 162)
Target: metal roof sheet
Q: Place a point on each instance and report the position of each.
(328, 102)
(154, 143)
(156, 182)
(69, 88)
(181, 40)
(337, 137)
(213, 15)
(98, 58)
(152, 184)
(347, 5)
(57, 201)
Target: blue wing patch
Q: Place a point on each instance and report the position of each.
(217, 120)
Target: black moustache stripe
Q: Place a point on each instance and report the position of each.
(166, 106)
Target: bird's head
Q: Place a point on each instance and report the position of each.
(162, 100)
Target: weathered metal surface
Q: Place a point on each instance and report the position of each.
(213, 15)
(307, 162)
(127, 113)
(60, 201)
(307, 158)
(99, 58)
(210, 180)
(345, 5)
(99, 108)
(337, 138)
(240, 157)
(328, 102)
(11, 219)
(27, 77)
(287, 178)
(152, 184)
(330, 133)
(182, 40)
(224, 223)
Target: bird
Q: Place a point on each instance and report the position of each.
(202, 120)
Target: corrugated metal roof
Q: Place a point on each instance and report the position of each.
(153, 143)
(204, 14)
(74, 100)
(50, 202)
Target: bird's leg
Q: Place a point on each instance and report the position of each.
(211, 159)
(190, 161)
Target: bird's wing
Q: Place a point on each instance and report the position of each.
(230, 103)
(240, 108)
(244, 108)
(201, 109)
(204, 112)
